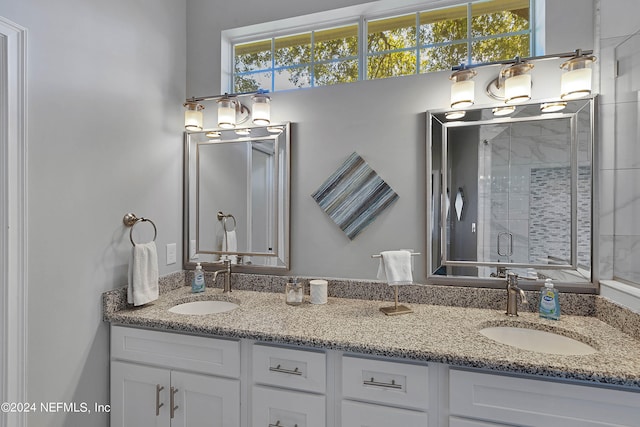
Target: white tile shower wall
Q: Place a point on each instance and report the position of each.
(550, 227)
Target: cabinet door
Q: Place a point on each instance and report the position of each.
(355, 414)
(276, 407)
(139, 396)
(204, 401)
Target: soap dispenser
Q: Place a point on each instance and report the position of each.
(549, 302)
(198, 280)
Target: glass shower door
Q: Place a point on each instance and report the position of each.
(525, 192)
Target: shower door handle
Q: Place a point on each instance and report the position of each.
(510, 248)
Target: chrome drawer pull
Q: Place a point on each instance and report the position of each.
(277, 424)
(159, 405)
(172, 403)
(285, 371)
(393, 384)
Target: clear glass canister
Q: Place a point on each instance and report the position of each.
(294, 292)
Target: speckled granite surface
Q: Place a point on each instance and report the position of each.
(439, 333)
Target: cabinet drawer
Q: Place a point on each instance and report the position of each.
(394, 383)
(356, 414)
(533, 402)
(282, 408)
(172, 350)
(298, 369)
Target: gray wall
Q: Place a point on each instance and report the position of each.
(106, 82)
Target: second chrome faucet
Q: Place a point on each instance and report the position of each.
(512, 294)
(227, 275)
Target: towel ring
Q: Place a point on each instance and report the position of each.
(130, 220)
(222, 217)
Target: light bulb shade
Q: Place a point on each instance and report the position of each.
(193, 118)
(226, 113)
(576, 83)
(261, 110)
(462, 88)
(553, 107)
(454, 115)
(517, 89)
(503, 111)
(462, 94)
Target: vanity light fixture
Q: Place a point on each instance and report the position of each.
(213, 134)
(243, 131)
(463, 87)
(575, 82)
(193, 117)
(231, 111)
(513, 83)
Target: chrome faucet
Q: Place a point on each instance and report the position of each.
(227, 275)
(512, 294)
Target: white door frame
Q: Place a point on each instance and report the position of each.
(13, 218)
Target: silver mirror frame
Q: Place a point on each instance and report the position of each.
(566, 286)
(284, 257)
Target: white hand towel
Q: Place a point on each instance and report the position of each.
(230, 244)
(395, 267)
(143, 274)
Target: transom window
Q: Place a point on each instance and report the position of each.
(382, 47)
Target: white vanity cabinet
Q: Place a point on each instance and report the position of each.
(476, 399)
(288, 387)
(171, 380)
(382, 393)
(166, 379)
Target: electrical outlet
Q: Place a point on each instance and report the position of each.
(171, 253)
(192, 250)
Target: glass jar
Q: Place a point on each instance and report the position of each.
(294, 292)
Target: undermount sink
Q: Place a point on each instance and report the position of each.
(537, 340)
(204, 307)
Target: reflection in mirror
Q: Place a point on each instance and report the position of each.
(237, 197)
(526, 203)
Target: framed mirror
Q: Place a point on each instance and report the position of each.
(236, 197)
(512, 192)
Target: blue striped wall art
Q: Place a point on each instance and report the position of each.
(354, 195)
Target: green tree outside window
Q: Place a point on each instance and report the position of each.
(414, 43)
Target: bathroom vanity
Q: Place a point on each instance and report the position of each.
(345, 363)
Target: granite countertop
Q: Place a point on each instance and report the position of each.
(435, 333)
